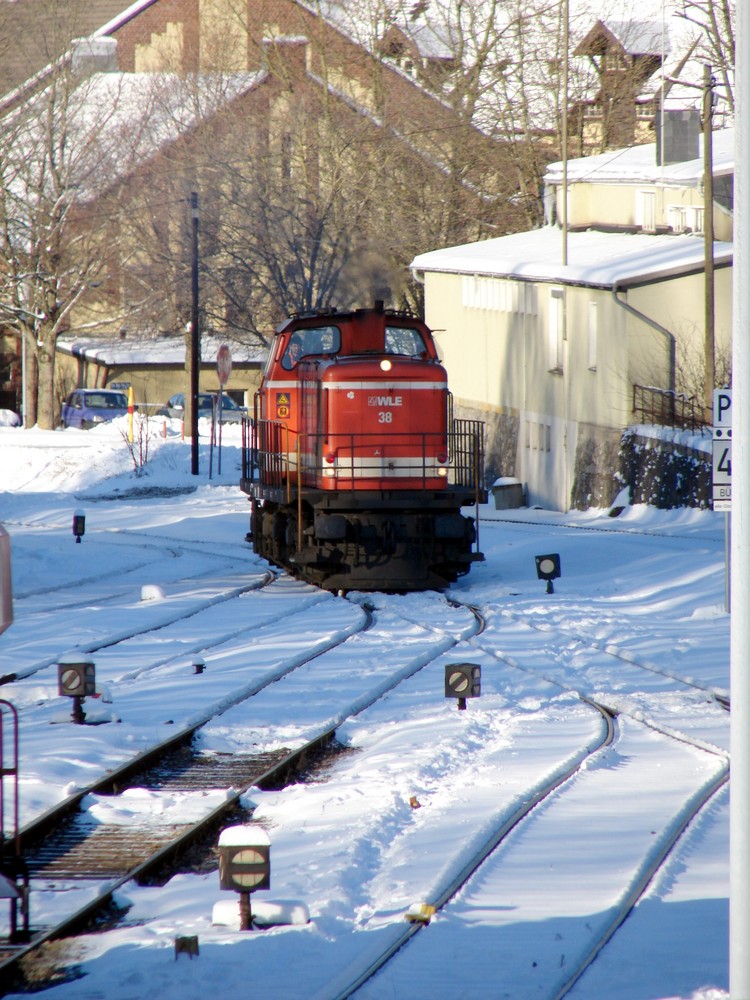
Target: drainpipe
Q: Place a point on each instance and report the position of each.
(670, 337)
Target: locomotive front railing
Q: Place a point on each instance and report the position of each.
(266, 452)
(466, 452)
(280, 457)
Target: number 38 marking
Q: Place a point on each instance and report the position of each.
(385, 417)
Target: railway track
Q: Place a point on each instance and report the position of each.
(359, 975)
(132, 676)
(144, 617)
(385, 972)
(70, 852)
(363, 977)
(509, 871)
(604, 524)
(579, 637)
(81, 849)
(567, 661)
(457, 876)
(575, 662)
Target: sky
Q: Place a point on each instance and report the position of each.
(637, 620)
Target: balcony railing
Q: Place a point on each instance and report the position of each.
(668, 409)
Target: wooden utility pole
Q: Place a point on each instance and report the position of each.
(708, 235)
(195, 339)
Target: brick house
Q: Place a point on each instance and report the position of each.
(293, 62)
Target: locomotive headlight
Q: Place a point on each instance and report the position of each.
(385, 365)
(442, 471)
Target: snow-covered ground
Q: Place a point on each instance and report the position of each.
(392, 820)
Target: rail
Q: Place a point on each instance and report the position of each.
(13, 875)
(275, 455)
(356, 975)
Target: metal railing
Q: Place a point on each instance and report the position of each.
(466, 453)
(668, 408)
(273, 454)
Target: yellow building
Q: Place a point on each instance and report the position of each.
(549, 335)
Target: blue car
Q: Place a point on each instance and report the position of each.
(85, 408)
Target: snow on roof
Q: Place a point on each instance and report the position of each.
(161, 106)
(122, 18)
(428, 41)
(115, 121)
(161, 350)
(639, 37)
(638, 163)
(595, 258)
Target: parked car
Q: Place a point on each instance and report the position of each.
(85, 408)
(175, 406)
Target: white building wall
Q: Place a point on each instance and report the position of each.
(527, 350)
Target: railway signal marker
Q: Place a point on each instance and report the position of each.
(76, 677)
(462, 681)
(244, 865)
(548, 568)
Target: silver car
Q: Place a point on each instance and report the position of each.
(175, 407)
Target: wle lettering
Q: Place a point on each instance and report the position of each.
(385, 401)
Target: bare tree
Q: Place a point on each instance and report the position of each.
(318, 183)
(59, 241)
(716, 19)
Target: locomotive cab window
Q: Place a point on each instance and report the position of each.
(404, 340)
(312, 341)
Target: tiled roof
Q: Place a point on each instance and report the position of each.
(33, 33)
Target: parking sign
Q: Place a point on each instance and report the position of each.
(722, 450)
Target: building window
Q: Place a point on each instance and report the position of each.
(592, 110)
(499, 295)
(556, 330)
(694, 218)
(593, 334)
(646, 110)
(614, 61)
(538, 435)
(645, 210)
(287, 151)
(676, 218)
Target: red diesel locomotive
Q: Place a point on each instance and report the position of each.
(355, 468)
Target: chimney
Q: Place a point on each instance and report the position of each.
(680, 140)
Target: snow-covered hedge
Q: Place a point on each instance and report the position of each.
(665, 469)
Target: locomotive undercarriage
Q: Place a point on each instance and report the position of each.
(393, 543)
